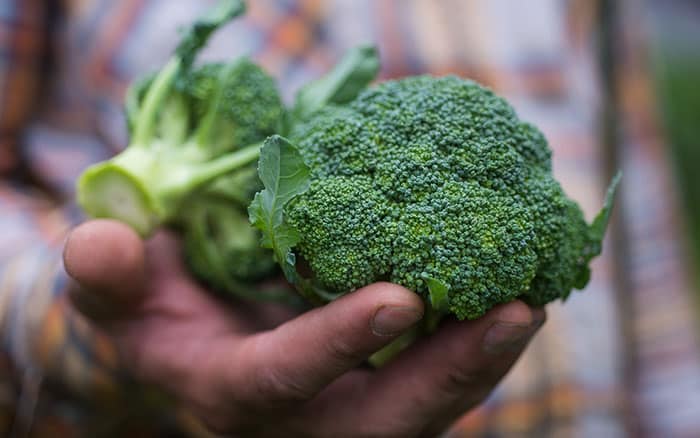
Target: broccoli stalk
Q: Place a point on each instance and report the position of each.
(144, 190)
(166, 160)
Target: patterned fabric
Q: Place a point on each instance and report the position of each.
(606, 364)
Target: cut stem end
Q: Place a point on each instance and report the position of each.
(107, 190)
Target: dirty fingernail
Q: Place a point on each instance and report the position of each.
(503, 336)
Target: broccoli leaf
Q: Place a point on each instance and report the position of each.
(198, 34)
(348, 78)
(285, 176)
(596, 233)
(600, 223)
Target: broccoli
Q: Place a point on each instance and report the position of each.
(431, 183)
(189, 127)
(220, 246)
(251, 105)
(195, 134)
(195, 137)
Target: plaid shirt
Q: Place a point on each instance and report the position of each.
(620, 359)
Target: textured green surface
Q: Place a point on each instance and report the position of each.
(436, 181)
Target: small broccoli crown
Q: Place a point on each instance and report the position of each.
(222, 247)
(359, 240)
(436, 178)
(253, 108)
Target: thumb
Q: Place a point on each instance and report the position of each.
(106, 260)
(299, 358)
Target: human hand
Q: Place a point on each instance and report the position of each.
(255, 370)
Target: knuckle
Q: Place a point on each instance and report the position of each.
(459, 378)
(342, 352)
(275, 386)
(459, 381)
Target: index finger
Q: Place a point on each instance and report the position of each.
(301, 357)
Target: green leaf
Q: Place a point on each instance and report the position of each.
(197, 35)
(284, 176)
(342, 84)
(600, 223)
(596, 231)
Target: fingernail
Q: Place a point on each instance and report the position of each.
(505, 336)
(539, 317)
(393, 320)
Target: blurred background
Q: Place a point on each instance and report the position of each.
(674, 29)
(613, 84)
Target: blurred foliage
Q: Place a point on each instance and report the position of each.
(678, 84)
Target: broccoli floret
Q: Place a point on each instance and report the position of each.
(251, 105)
(221, 246)
(431, 183)
(222, 249)
(185, 132)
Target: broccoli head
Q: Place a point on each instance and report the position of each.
(431, 183)
(189, 126)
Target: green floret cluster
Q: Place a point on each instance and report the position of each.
(252, 104)
(435, 184)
